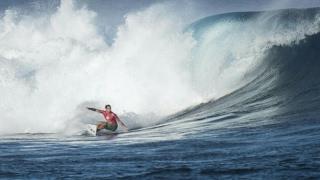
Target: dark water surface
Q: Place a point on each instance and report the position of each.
(271, 151)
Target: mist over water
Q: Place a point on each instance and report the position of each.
(53, 65)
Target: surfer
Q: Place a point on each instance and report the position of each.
(111, 119)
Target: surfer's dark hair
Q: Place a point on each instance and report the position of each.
(108, 106)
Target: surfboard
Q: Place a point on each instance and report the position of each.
(91, 130)
(106, 132)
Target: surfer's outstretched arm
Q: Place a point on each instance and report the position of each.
(122, 124)
(94, 109)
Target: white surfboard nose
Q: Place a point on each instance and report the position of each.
(91, 129)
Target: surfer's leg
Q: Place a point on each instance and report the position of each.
(101, 126)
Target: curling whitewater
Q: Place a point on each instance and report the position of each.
(267, 129)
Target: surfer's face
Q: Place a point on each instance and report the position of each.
(108, 109)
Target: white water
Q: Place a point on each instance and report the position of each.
(52, 66)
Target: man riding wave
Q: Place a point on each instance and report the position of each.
(111, 119)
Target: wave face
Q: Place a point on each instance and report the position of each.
(286, 88)
(284, 85)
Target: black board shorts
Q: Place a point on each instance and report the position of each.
(111, 127)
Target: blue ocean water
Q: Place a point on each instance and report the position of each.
(267, 129)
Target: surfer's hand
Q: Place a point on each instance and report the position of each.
(92, 109)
